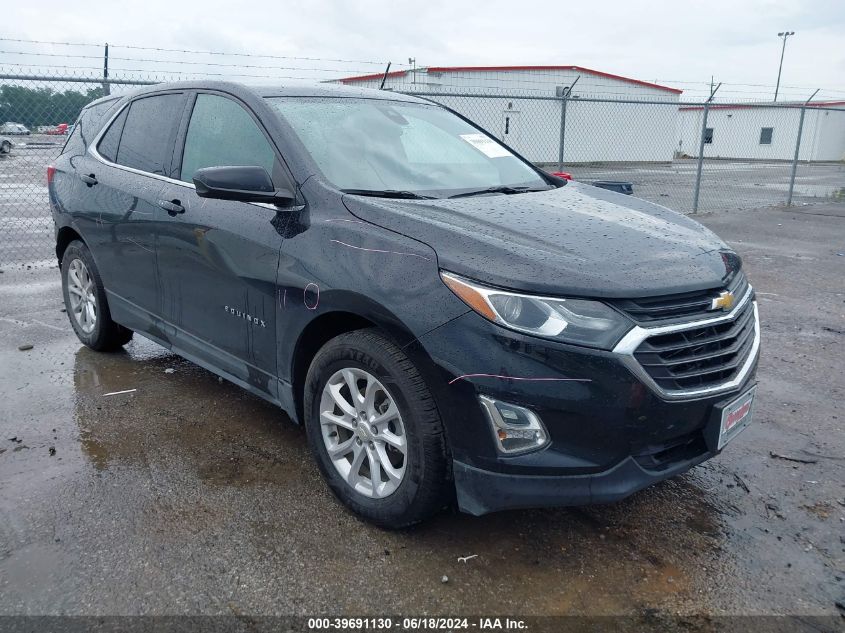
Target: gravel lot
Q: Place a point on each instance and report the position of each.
(190, 496)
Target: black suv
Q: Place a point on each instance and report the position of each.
(446, 320)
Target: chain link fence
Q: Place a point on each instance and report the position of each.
(741, 155)
(691, 157)
(39, 105)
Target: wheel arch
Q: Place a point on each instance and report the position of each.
(354, 313)
(314, 336)
(64, 237)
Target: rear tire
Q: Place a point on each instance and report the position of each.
(400, 488)
(86, 303)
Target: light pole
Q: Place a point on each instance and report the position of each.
(413, 62)
(784, 35)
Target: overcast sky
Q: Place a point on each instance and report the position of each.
(672, 41)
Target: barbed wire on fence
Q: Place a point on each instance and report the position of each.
(317, 68)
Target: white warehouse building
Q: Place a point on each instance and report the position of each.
(758, 132)
(528, 115)
(615, 119)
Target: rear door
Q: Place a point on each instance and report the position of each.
(125, 175)
(218, 258)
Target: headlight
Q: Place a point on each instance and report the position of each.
(578, 321)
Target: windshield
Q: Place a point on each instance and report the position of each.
(410, 149)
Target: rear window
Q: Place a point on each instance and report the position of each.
(148, 133)
(90, 122)
(74, 144)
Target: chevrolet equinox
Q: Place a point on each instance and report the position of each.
(450, 323)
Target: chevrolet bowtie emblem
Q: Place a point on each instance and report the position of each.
(725, 301)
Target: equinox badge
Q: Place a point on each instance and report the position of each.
(725, 301)
(246, 317)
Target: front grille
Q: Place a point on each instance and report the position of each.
(681, 306)
(700, 357)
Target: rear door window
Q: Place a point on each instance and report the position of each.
(222, 133)
(148, 134)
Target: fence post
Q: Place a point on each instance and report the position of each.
(797, 148)
(565, 92)
(563, 101)
(700, 159)
(106, 85)
(701, 150)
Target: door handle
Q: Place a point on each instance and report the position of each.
(89, 179)
(173, 207)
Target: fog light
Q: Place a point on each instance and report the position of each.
(516, 429)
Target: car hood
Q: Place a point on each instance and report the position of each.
(575, 240)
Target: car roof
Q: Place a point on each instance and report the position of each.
(287, 89)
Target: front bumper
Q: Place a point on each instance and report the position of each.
(611, 433)
(482, 491)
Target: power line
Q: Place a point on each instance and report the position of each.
(114, 72)
(10, 39)
(193, 52)
(177, 61)
(196, 52)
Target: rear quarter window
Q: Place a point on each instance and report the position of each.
(111, 139)
(74, 144)
(90, 121)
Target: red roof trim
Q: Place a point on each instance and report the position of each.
(395, 73)
(824, 104)
(748, 106)
(454, 69)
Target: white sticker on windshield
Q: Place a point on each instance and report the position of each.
(486, 145)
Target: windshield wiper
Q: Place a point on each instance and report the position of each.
(387, 193)
(501, 189)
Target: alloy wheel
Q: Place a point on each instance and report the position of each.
(363, 432)
(83, 298)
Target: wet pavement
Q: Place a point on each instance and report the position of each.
(188, 495)
(726, 185)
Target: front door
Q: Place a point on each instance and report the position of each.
(217, 259)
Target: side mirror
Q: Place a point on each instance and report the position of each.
(245, 184)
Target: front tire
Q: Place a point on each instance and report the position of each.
(375, 431)
(85, 301)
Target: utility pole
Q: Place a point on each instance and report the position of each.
(106, 85)
(784, 35)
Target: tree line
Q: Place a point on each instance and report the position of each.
(43, 106)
